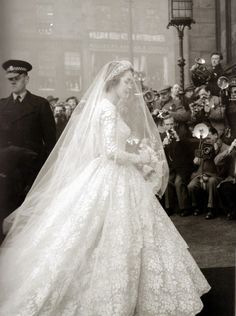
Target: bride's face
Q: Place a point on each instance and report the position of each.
(124, 86)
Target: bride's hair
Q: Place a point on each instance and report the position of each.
(113, 77)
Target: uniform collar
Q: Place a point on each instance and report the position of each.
(22, 95)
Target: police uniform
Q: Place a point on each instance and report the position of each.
(27, 133)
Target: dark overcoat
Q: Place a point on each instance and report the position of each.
(27, 134)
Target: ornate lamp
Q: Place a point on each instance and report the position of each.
(180, 16)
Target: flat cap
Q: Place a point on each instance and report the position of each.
(52, 98)
(14, 67)
(165, 89)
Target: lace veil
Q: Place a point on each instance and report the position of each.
(82, 142)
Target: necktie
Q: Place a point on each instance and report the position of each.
(18, 100)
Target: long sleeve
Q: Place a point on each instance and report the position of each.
(177, 110)
(180, 115)
(109, 135)
(217, 112)
(222, 156)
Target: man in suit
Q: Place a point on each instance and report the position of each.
(179, 156)
(202, 75)
(27, 133)
(217, 71)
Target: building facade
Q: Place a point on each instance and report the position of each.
(68, 41)
(214, 30)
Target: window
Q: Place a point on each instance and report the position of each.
(72, 65)
(46, 71)
(45, 18)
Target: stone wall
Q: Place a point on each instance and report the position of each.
(202, 36)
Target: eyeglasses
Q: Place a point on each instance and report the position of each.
(16, 78)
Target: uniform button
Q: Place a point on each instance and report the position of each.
(9, 143)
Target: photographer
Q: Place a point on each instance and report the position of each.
(179, 157)
(231, 107)
(170, 135)
(208, 75)
(206, 178)
(226, 163)
(189, 96)
(174, 107)
(216, 71)
(207, 109)
(150, 96)
(200, 108)
(176, 93)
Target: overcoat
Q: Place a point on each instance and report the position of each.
(27, 136)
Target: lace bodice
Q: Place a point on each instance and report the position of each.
(115, 133)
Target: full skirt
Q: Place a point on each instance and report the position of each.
(104, 248)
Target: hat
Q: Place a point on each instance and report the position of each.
(15, 67)
(189, 88)
(164, 89)
(52, 98)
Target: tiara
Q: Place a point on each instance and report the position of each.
(123, 65)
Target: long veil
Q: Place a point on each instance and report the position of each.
(80, 144)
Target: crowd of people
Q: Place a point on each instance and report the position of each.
(62, 111)
(199, 144)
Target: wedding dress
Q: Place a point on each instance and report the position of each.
(105, 248)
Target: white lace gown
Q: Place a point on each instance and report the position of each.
(106, 248)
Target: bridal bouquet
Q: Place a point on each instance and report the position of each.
(152, 171)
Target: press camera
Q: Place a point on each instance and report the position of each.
(206, 151)
(200, 71)
(200, 108)
(150, 96)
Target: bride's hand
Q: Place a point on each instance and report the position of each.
(144, 157)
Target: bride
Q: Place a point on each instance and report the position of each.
(91, 239)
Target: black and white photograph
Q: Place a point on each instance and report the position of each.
(117, 158)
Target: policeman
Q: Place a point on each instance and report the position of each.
(27, 133)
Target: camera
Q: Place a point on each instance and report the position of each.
(199, 104)
(206, 152)
(198, 109)
(171, 134)
(150, 97)
(160, 114)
